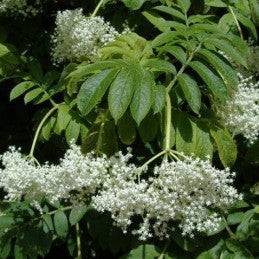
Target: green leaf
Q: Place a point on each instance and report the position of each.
(34, 241)
(235, 218)
(84, 70)
(20, 89)
(184, 4)
(165, 37)
(170, 10)
(198, 18)
(213, 82)
(64, 75)
(192, 138)
(93, 89)
(201, 28)
(42, 98)
(72, 246)
(225, 254)
(143, 96)
(176, 51)
(72, 131)
(47, 223)
(227, 73)
(191, 92)
(63, 117)
(61, 223)
(159, 22)
(227, 23)
(121, 92)
(143, 252)
(244, 228)
(133, 4)
(126, 129)
(77, 214)
(105, 235)
(247, 23)
(33, 95)
(239, 43)
(214, 252)
(18, 253)
(186, 244)
(148, 128)
(254, 9)
(7, 55)
(226, 146)
(107, 140)
(215, 3)
(50, 78)
(239, 250)
(229, 50)
(159, 98)
(5, 248)
(6, 221)
(47, 127)
(102, 138)
(158, 65)
(84, 130)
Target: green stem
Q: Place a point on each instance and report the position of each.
(236, 21)
(168, 120)
(152, 159)
(172, 83)
(178, 153)
(39, 129)
(230, 232)
(78, 242)
(97, 8)
(168, 110)
(173, 155)
(140, 169)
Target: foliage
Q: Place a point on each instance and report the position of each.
(155, 86)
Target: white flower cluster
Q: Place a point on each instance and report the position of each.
(184, 191)
(241, 112)
(19, 7)
(77, 37)
(22, 178)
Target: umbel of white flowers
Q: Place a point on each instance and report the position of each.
(77, 37)
(21, 177)
(19, 7)
(241, 112)
(186, 192)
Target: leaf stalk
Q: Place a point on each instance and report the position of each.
(97, 8)
(36, 136)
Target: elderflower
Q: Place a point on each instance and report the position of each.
(241, 112)
(77, 37)
(19, 7)
(188, 192)
(76, 174)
